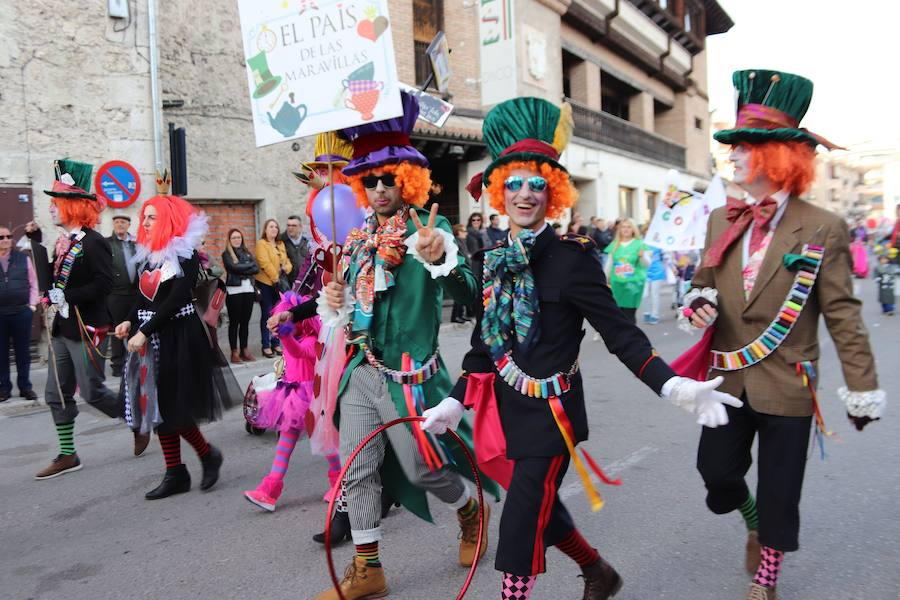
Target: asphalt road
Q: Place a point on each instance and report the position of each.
(92, 535)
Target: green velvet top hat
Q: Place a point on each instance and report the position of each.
(262, 76)
(770, 106)
(521, 130)
(72, 179)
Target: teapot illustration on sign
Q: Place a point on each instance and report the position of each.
(289, 117)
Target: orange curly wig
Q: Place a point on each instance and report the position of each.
(81, 211)
(791, 165)
(563, 194)
(414, 182)
(172, 216)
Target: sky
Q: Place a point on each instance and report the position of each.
(850, 50)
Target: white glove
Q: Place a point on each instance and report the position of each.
(701, 398)
(57, 296)
(442, 417)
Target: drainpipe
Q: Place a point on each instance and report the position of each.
(154, 86)
(607, 20)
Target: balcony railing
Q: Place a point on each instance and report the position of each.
(612, 131)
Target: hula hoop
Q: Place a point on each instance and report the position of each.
(469, 457)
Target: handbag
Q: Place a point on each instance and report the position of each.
(209, 295)
(283, 285)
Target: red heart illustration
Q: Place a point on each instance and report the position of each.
(143, 378)
(150, 283)
(320, 350)
(366, 29)
(317, 385)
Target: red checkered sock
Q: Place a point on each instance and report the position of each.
(193, 437)
(171, 447)
(517, 587)
(577, 548)
(769, 567)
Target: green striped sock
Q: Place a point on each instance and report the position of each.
(66, 433)
(748, 511)
(469, 509)
(369, 553)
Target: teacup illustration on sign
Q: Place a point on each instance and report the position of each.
(363, 85)
(367, 71)
(289, 118)
(364, 103)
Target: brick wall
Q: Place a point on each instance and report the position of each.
(224, 216)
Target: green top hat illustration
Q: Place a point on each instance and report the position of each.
(262, 76)
(770, 107)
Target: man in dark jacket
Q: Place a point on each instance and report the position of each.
(81, 281)
(297, 246)
(18, 300)
(122, 297)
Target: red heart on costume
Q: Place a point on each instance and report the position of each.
(150, 283)
(366, 29)
(320, 349)
(317, 385)
(143, 377)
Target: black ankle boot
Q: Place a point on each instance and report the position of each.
(177, 480)
(211, 464)
(340, 529)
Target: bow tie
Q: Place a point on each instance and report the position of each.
(740, 215)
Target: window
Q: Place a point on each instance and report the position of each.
(428, 19)
(650, 199)
(626, 202)
(698, 123)
(687, 21)
(615, 95)
(569, 62)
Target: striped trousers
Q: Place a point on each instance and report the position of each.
(365, 405)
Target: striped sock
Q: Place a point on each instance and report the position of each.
(577, 548)
(748, 511)
(334, 463)
(193, 437)
(369, 553)
(66, 434)
(468, 510)
(769, 567)
(171, 448)
(286, 442)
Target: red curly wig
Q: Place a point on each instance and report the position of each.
(172, 216)
(82, 212)
(414, 182)
(790, 165)
(563, 194)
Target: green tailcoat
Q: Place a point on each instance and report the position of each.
(407, 318)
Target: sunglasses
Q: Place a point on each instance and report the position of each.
(5, 237)
(370, 182)
(535, 183)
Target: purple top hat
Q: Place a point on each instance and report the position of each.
(385, 142)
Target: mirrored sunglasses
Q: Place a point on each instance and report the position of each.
(535, 184)
(370, 182)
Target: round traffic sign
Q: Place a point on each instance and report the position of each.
(118, 183)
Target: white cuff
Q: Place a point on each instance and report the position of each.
(864, 404)
(366, 536)
(331, 317)
(666, 389)
(450, 254)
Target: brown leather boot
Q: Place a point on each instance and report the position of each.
(235, 357)
(246, 356)
(141, 441)
(600, 581)
(468, 534)
(759, 592)
(751, 561)
(360, 582)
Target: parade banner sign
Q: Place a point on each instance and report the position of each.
(498, 50)
(318, 65)
(432, 109)
(679, 222)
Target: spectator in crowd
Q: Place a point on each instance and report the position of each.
(495, 233)
(122, 298)
(461, 313)
(602, 236)
(274, 265)
(557, 229)
(240, 267)
(476, 237)
(297, 246)
(575, 224)
(627, 267)
(18, 301)
(884, 277)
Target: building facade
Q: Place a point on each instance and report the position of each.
(75, 83)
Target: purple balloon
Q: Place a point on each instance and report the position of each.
(347, 215)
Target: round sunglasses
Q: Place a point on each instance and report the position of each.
(536, 183)
(370, 182)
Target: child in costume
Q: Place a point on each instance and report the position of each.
(884, 277)
(286, 406)
(522, 373)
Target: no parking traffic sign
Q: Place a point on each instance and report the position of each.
(118, 183)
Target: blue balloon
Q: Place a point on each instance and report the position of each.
(347, 215)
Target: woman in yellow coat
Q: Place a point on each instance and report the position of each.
(273, 261)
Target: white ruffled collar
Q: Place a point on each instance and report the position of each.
(182, 246)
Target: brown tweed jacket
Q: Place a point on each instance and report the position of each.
(772, 386)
